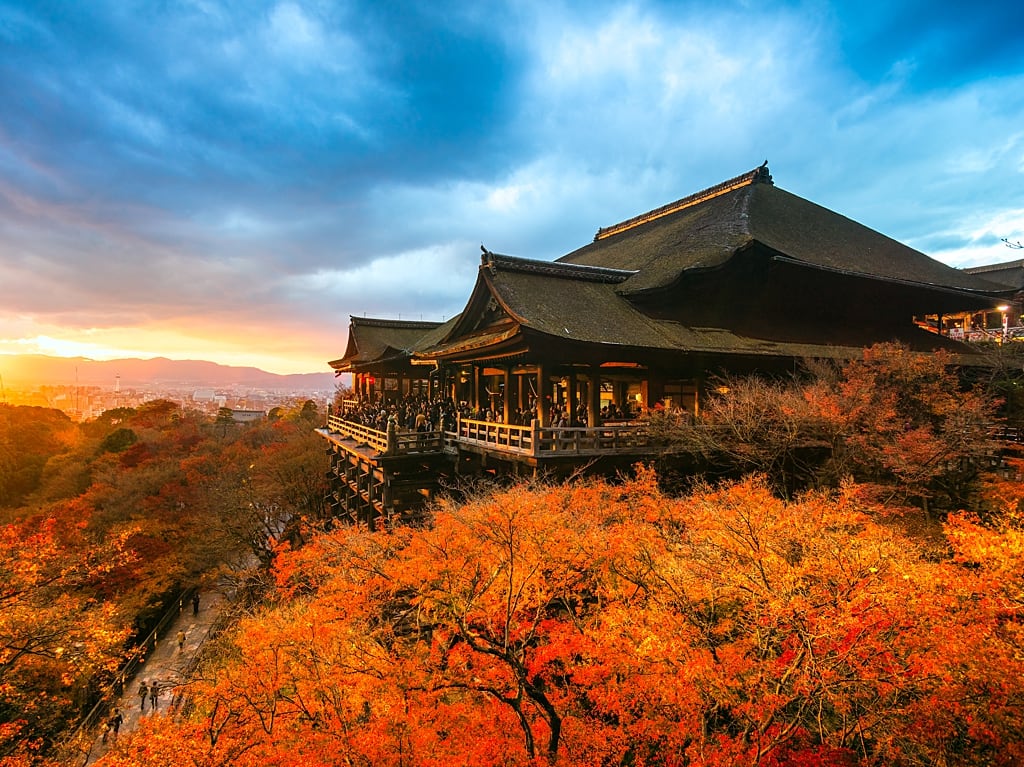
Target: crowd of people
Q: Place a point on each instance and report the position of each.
(422, 414)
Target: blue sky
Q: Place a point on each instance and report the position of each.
(231, 180)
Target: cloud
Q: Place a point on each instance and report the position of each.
(272, 164)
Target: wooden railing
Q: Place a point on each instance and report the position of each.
(515, 439)
(533, 440)
(390, 442)
(362, 435)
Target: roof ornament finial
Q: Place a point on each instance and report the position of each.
(486, 256)
(762, 175)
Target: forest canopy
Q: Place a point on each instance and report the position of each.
(611, 624)
(105, 522)
(845, 588)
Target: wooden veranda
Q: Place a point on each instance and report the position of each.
(384, 476)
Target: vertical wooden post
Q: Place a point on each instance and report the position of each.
(392, 436)
(542, 404)
(594, 406)
(521, 399)
(477, 387)
(508, 394)
(572, 401)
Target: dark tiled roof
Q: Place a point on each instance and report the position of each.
(372, 340)
(591, 311)
(572, 302)
(705, 230)
(1008, 273)
(591, 296)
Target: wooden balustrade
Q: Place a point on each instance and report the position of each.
(533, 440)
(362, 435)
(391, 442)
(530, 440)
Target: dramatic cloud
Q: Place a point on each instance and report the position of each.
(204, 178)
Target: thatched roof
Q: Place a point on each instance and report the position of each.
(704, 231)
(675, 280)
(372, 340)
(580, 304)
(1008, 273)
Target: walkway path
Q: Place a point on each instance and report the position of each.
(165, 666)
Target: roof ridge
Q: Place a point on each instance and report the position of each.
(494, 261)
(983, 268)
(759, 175)
(378, 322)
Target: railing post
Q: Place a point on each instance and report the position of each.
(534, 437)
(392, 436)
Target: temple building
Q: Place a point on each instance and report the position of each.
(993, 325)
(742, 277)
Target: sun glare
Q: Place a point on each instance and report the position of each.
(61, 347)
(161, 345)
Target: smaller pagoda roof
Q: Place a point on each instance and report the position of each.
(373, 341)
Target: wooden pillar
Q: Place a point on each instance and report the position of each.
(543, 416)
(655, 390)
(594, 397)
(521, 398)
(478, 386)
(572, 399)
(508, 394)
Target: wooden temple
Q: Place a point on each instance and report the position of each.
(552, 364)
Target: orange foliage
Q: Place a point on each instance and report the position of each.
(54, 634)
(608, 624)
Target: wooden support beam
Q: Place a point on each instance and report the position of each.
(508, 394)
(571, 402)
(543, 413)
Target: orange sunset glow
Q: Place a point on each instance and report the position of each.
(302, 352)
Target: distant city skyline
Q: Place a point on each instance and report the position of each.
(229, 182)
(135, 372)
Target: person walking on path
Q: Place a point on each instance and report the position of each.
(181, 641)
(143, 694)
(113, 725)
(154, 695)
(195, 603)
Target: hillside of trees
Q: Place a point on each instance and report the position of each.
(845, 587)
(105, 522)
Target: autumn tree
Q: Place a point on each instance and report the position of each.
(910, 424)
(905, 422)
(29, 437)
(56, 631)
(611, 624)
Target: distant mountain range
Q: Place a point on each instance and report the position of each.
(38, 370)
